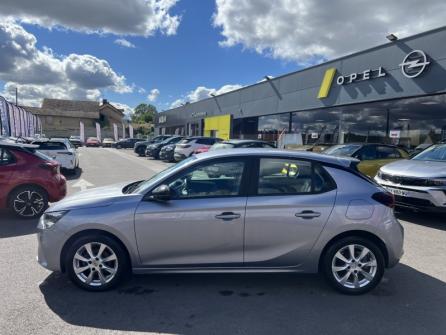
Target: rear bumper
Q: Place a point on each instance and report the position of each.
(57, 189)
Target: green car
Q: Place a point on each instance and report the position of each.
(372, 156)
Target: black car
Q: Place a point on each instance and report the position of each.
(166, 153)
(231, 144)
(125, 143)
(153, 150)
(141, 146)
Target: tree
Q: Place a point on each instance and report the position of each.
(144, 113)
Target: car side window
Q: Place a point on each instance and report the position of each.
(5, 157)
(387, 152)
(217, 179)
(284, 176)
(366, 153)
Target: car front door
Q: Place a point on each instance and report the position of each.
(201, 224)
(290, 205)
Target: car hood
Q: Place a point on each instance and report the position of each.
(416, 168)
(95, 197)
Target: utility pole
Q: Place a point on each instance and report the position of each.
(16, 96)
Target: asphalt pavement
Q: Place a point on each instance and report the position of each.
(410, 300)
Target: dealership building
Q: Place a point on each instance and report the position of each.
(393, 93)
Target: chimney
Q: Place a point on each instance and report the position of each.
(104, 101)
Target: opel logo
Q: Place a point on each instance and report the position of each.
(414, 64)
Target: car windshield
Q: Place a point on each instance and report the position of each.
(143, 186)
(342, 150)
(433, 153)
(223, 145)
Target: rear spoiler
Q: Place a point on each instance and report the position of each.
(349, 162)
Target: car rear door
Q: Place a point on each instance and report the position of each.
(7, 167)
(202, 224)
(289, 206)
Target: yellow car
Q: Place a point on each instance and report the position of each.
(372, 156)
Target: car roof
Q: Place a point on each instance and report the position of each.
(17, 145)
(243, 152)
(238, 141)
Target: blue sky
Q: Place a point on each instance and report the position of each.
(175, 65)
(183, 49)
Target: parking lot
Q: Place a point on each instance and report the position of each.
(411, 298)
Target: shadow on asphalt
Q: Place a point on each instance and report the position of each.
(72, 176)
(11, 226)
(431, 220)
(406, 302)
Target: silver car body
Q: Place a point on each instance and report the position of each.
(406, 179)
(268, 233)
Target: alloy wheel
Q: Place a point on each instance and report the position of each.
(28, 203)
(95, 264)
(354, 266)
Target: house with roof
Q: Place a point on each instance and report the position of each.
(63, 117)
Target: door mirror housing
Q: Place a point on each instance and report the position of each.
(161, 193)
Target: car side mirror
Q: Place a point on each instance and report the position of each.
(161, 193)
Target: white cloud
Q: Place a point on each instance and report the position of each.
(124, 43)
(123, 17)
(40, 73)
(202, 92)
(308, 31)
(154, 94)
(127, 109)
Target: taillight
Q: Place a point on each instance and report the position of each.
(385, 198)
(51, 167)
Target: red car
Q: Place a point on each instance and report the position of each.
(202, 150)
(28, 180)
(92, 142)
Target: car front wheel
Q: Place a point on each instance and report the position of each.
(96, 262)
(353, 265)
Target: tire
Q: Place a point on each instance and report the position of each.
(118, 264)
(28, 202)
(336, 270)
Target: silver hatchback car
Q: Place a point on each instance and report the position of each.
(236, 210)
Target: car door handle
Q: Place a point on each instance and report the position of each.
(227, 216)
(307, 215)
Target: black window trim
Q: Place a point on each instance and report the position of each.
(243, 192)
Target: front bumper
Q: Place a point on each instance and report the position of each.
(179, 157)
(50, 243)
(423, 198)
(152, 152)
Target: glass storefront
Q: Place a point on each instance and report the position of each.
(405, 122)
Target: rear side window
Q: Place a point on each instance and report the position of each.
(278, 176)
(366, 153)
(387, 153)
(5, 157)
(204, 141)
(51, 146)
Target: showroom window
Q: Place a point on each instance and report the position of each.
(271, 126)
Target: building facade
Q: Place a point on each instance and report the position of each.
(393, 93)
(63, 117)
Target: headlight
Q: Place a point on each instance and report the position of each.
(48, 220)
(436, 182)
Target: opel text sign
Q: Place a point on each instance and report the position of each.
(414, 64)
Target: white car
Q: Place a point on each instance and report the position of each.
(187, 146)
(61, 150)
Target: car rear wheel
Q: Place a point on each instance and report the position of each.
(96, 262)
(353, 265)
(28, 202)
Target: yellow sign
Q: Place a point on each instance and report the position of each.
(326, 83)
(218, 126)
